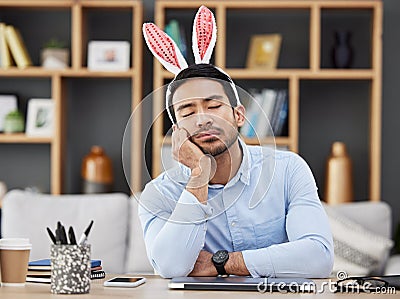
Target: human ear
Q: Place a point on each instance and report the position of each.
(239, 114)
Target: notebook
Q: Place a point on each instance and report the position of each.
(45, 264)
(46, 278)
(240, 283)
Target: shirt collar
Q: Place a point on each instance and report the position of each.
(243, 172)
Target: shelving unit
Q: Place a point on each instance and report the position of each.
(314, 12)
(77, 14)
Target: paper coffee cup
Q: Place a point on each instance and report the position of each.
(14, 258)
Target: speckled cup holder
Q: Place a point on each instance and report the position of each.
(70, 269)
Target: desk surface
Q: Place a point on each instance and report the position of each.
(157, 287)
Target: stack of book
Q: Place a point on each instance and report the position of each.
(40, 271)
(267, 114)
(12, 48)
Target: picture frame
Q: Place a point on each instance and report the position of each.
(108, 55)
(264, 51)
(40, 118)
(8, 103)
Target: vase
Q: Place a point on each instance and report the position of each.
(342, 52)
(14, 123)
(338, 177)
(97, 172)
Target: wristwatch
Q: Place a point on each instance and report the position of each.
(219, 260)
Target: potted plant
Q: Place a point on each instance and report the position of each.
(55, 54)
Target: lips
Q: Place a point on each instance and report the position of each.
(207, 134)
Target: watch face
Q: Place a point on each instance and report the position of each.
(220, 256)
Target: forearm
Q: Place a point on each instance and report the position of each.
(302, 258)
(173, 240)
(234, 266)
(175, 249)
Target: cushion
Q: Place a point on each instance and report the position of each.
(137, 260)
(28, 214)
(358, 251)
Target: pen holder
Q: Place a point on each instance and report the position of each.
(70, 269)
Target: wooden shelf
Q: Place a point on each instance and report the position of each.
(23, 138)
(36, 3)
(78, 33)
(83, 72)
(314, 69)
(237, 73)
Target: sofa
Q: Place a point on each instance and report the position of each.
(116, 236)
(117, 239)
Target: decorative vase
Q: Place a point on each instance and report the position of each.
(14, 122)
(97, 171)
(342, 52)
(338, 178)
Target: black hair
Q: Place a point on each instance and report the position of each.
(202, 70)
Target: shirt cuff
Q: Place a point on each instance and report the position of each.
(258, 262)
(189, 210)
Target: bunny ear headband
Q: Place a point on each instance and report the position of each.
(167, 52)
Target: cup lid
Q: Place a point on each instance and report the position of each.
(15, 243)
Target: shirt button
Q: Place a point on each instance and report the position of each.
(233, 223)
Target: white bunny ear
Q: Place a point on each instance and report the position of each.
(164, 48)
(204, 35)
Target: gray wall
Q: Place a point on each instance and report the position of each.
(391, 107)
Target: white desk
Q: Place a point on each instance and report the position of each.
(157, 287)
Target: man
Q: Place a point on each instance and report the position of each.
(230, 208)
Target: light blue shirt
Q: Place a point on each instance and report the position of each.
(270, 211)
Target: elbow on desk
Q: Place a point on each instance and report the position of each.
(170, 271)
(170, 267)
(321, 264)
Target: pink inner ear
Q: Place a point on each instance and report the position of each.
(162, 44)
(204, 30)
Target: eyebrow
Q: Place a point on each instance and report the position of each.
(207, 99)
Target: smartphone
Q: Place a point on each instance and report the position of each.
(125, 282)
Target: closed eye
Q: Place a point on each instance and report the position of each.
(188, 114)
(214, 107)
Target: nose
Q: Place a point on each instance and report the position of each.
(203, 119)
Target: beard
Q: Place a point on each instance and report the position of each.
(216, 146)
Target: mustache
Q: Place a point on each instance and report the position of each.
(205, 129)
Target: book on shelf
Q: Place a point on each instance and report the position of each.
(252, 115)
(266, 114)
(278, 110)
(281, 118)
(5, 56)
(17, 47)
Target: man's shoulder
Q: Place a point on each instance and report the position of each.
(258, 153)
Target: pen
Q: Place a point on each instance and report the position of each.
(52, 237)
(58, 239)
(71, 235)
(84, 236)
(63, 235)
